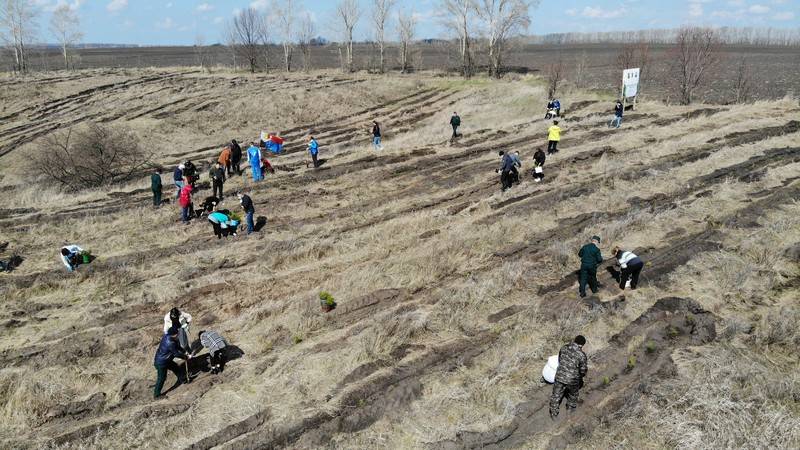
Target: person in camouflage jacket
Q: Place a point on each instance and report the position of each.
(569, 376)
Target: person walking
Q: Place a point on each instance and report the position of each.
(572, 367)
(455, 122)
(254, 157)
(553, 136)
(506, 165)
(217, 349)
(630, 267)
(313, 149)
(376, 135)
(168, 349)
(236, 157)
(185, 202)
(249, 210)
(538, 165)
(590, 258)
(217, 175)
(225, 160)
(155, 186)
(618, 111)
(177, 177)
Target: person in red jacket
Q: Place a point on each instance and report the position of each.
(185, 201)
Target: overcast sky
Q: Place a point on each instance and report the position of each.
(158, 22)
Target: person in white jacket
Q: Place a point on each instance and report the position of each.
(70, 256)
(181, 321)
(630, 267)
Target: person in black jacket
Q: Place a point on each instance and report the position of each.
(236, 157)
(376, 135)
(455, 122)
(505, 169)
(538, 165)
(249, 209)
(168, 349)
(155, 186)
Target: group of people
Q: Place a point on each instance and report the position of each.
(175, 344)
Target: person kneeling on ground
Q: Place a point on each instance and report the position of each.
(72, 256)
(590, 258)
(630, 267)
(209, 205)
(223, 223)
(168, 349)
(569, 376)
(216, 346)
(538, 165)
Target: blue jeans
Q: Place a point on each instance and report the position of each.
(376, 142)
(178, 186)
(185, 214)
(616, 121)
(250, 225)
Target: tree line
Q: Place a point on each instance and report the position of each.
(759, 36)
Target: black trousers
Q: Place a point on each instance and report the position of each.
(157, 197)
(218, 358)
(217, 229)
(632, 272)
(505, 179)
(314, 158)
(218, 189)
(537, 175)
(588, 275)
(455, 131)
(514, 175)
(236, 166)
(552, 147)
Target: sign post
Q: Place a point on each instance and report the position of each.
(630, 85)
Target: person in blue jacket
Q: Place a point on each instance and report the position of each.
(557, 107)
(254, 157)
(168, 350)
(313, 148)
(223, 224)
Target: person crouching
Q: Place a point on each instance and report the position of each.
(223, 223)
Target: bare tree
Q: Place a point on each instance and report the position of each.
(743, 83)
(643, 62)
(66, 27)
(459, 20)
(626, 57)
(246, 34)
(380, 14)
(91, 156)
(348, 14)
(285, 12)
(502, 20)
(581, 67)
(695, 54)
(554, 73)
(407, 27)
(305, 34)
(17, 29)
(200, 50)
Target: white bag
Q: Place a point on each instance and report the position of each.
(549, 371)
(538, 169)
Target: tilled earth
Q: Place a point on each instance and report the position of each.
(297, 378)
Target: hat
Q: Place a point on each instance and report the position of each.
(596, 238)
(181, 166)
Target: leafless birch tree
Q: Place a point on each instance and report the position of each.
(348, 14)
(200, 50)
(460, 21)
(17, 29)
(407, 28)
(695, 54)
(305, 34)
(66, 27)
(380, 14)
(285, 13)
(554, 74)
(247, 33)
(502, 21)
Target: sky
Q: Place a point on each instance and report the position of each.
(180, 22)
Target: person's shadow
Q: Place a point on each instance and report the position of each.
(261, 222)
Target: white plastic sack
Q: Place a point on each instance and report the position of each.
(538, 169)
(549, 371)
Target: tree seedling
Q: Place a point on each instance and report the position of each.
(673, 331)
(631, 362)
(297, 339)
(690, 320)
(326, 301)
(651, 347)
(606, 381)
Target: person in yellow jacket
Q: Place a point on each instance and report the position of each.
(553, 136)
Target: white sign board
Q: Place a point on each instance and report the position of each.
(630, 82)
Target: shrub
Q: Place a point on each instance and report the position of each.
(91, 156)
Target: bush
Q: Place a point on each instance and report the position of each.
(91, 156)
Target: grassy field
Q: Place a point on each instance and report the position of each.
(451, 295)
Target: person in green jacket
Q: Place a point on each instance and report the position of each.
(590, 259)
(455, 122)
(155, 186)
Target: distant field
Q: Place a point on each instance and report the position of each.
(775, 69)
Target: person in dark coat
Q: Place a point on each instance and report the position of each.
(538, 165)
(155, 186)
(168, 349)
(572, 367)
(249, 210)
(618, 111)
(376, 135)
(217, 175)
(505, 170)
(590, 258)
(236, 157)
(455, 122)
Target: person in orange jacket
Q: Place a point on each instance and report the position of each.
(225, 160)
